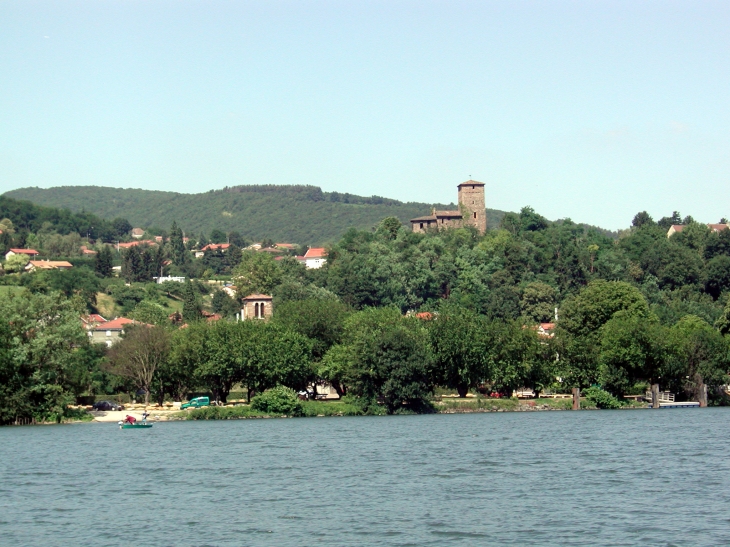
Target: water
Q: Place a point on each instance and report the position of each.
(542, 478)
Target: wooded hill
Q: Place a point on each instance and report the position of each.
(298, 214)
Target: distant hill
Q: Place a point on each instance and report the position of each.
(298, 214)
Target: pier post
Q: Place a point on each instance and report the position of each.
(703, 395)
(655, 396)
(576, 398)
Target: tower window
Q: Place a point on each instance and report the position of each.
(475, 215)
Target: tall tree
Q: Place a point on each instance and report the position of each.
(191, 303)
(104, 262)
(139, 354)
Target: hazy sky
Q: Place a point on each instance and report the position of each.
(590, 110)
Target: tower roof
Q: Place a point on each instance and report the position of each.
(471, 183)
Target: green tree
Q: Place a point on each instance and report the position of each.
(179, 255)
(191, 303)
(389, 359)
(699, 355)
(538, 302)
(139, 354)
(594, 306)
(257, 272)
(40, 340)
(104, 262)
(15, 263)
(322, 321)
(459, 348)
(632, 348)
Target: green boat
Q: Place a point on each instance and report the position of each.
(134, 426)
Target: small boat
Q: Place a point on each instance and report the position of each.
(136, 425)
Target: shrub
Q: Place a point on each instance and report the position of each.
(279, 400)
(601, 398)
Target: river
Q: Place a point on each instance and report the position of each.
(589, 478)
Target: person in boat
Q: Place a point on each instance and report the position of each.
(144, 416)
(130, 420)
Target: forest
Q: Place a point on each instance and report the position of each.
(391, 318)
(295, 214)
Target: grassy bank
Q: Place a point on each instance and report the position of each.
(241, 412)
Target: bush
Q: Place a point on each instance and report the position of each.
(601, 398)
(279, 400)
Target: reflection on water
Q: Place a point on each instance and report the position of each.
(542, 478)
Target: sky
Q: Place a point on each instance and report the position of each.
(592, 111)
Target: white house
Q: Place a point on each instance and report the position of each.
(315, 257)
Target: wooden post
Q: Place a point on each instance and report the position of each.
(655, 396)
(576, 398)
(703, 395)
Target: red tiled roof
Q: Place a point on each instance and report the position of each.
(316, 252)
(92, 319)
(25, 251)
(115, 324)
(286, 245)
(215, 246)
(717, 227)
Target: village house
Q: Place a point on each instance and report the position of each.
(106, 332)
(86, 251)
(137, 233)
(471, 211)
(677, 228)
(314, 258)
(34, 265)
(257, 306)
(27, 252)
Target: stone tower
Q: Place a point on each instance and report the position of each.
(472, 204)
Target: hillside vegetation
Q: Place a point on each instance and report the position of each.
(300, 214)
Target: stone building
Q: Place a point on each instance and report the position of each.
(472, 211)
(257, 306)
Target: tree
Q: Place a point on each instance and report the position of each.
(179, 255)
(699, 355)
(257, 273)
(15, 263)
(139, 354)
(133, 269)
(538, 302)
(191, 303)
(458, 345)
(40, 338)
(717, 275)
(641, 219)
(217, 236)
(104, 262)
(632, 348)
(224, 304)
(389, 359)
(151, 313)
(322, 321)
(593, 306)
(122, 227)
(389, 227)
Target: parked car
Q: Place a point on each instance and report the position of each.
(196, 403)
(106, 406)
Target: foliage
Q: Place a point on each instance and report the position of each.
(16, 263)
(40, 339)
(138, 355)
(601, 398)
(278, 400)
(312, 216)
